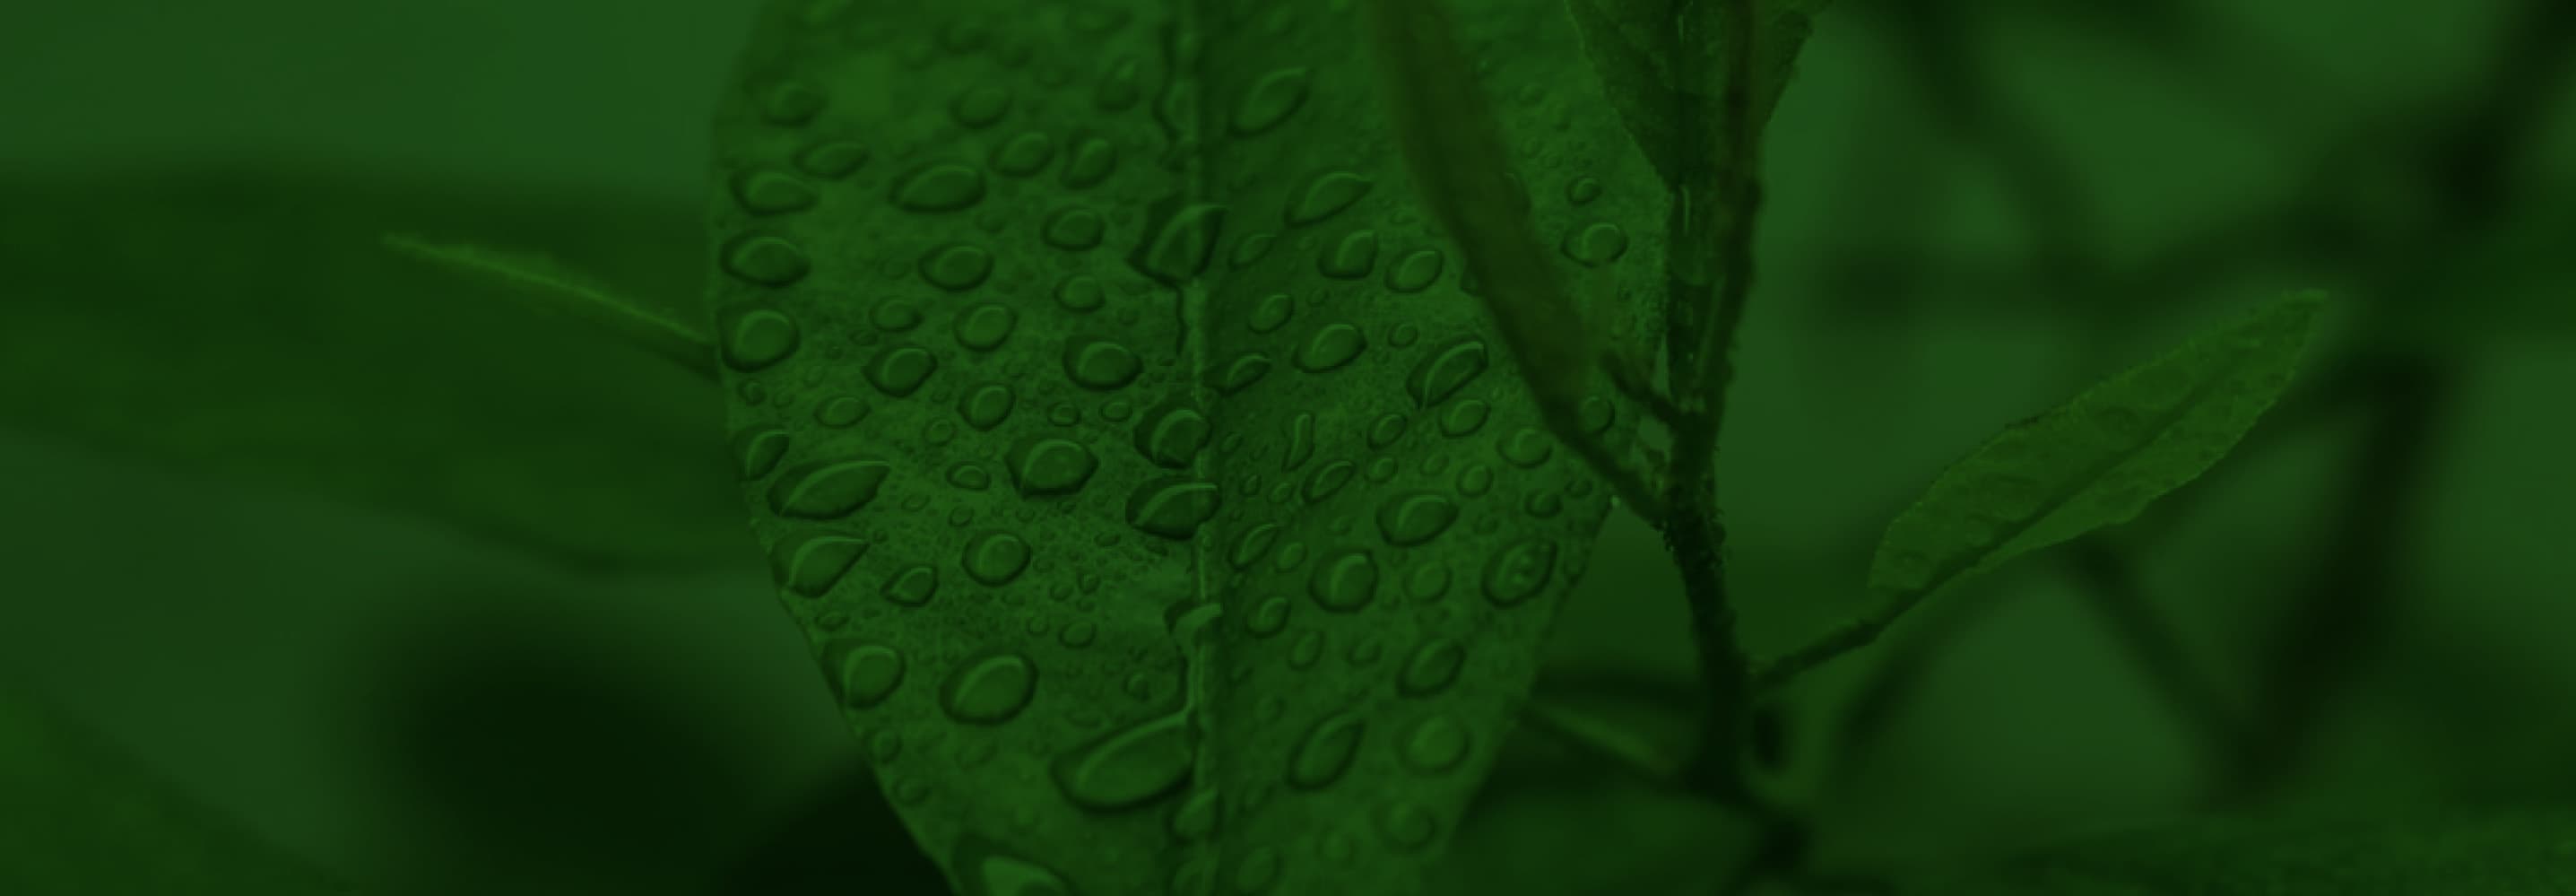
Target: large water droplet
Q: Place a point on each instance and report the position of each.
(1179, 240)
(759, 450)
(1331, 346)
(990, 690)
(1431, 668)
(1172, 507)
(1100, 364)
(1351, 258)
(1073, 229)
(1445, 370)
(867, 673)
(1271, 100)
(985, 326)
(913, 586)
(1343, 581)
(1024, 154)
(956, 267)
(768, 191)
(1326, 751)
(1091, 163)
(1270, 313)
(1520, 571)
(940, 187)
(1171, 433)
(1323, 195)
(1127, 768)
(827, 490)
(1046, 465)
(995, 558)
(1415, 271)
(986, 405)
(899, 369)
(810, 564)
(765, 260)
(1411, 518)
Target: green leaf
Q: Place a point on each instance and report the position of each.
(82, 817)
(1636, 52)
(1165, 514)
(250, 325)
(556, 287)
(2095, 461)
(2506, 853)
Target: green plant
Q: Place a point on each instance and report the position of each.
(1229, 556)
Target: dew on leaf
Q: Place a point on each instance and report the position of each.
(913, 586)
(810, 564)
(939, 187)
(1100, 364)
(827, 490)
(1519, 572)
(899, 370)
(1323, 195)
(1415, 271)
(956, 267)
(1343, 581)
(1351, 258)
(985, 326)
(1171, 507)
(1326, 751)
(989, 690)
(1270, 100)
(765, 260)
(995, 558)
(986, 405)
(1431, 668)
(868, 674)
(1331, 346)
(1412, 518)
(1047, 465)
(1127, 768)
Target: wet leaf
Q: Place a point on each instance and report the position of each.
(2505, 852)
(1165, 514)
(2097, 460)
(1636, 51)
(81, 817)
(250, 325)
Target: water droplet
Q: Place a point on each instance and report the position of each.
(1080, 293)
(980, 106)
(811, 564)
(985, 868)
(969, 475)
(1407, 825)
(767, 191)
(1464, 418)
(990, 690)
(1172, 433)
(1127, 768)
(1024, 154)
(1445, 370)
(985, 326)
(1119, 87)
(756, 337)
(1411, 518)
(986, 405)
(841, 411)
(1271, 100)
(1179, 241)
(867, 674)
(1259, 870)
(1045, 465)
(1172, 507)
(1525, 447)
(1240, 373)
(1415, 271)
(1386, 429)
(1323, 195)
(1250, 249)
(1582, 190)
(790, 103)
(1073, 229)
(759, 450)
(1269, 618)
(827, 490)
(895, 316)
(995, 558)
(900, 369)
(1253, 545)
(939, 187)
(1596, 244)
(1324, 481)
(1344, 581)
(1428, 582)
(832, 160)
(1519, 572)
(1270, 313)
(1332, 346)
(1091, 163)
(1595, 414)
(956, 267)
(765, 260)
(1100, 364)
(1432, 668)
(1195, 817)
(1301, 441)
(913, 586)
(1436, 744)
(1078, 635)
(1326, 751)
(1351, 258)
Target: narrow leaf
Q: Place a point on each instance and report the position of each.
(79, 816)
(2500, 852)
(563, 289)
(2097, 460)
(1166, 514)
(1636, 47)
(249, 325)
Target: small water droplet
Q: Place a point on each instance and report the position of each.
(989, 690)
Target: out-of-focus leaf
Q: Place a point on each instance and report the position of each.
(2096, 460)
(1163, 511)
(79, 818)
(1636, 50)
(2520, 853)
(250, 324)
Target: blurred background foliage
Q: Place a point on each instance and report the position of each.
(496, 627)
